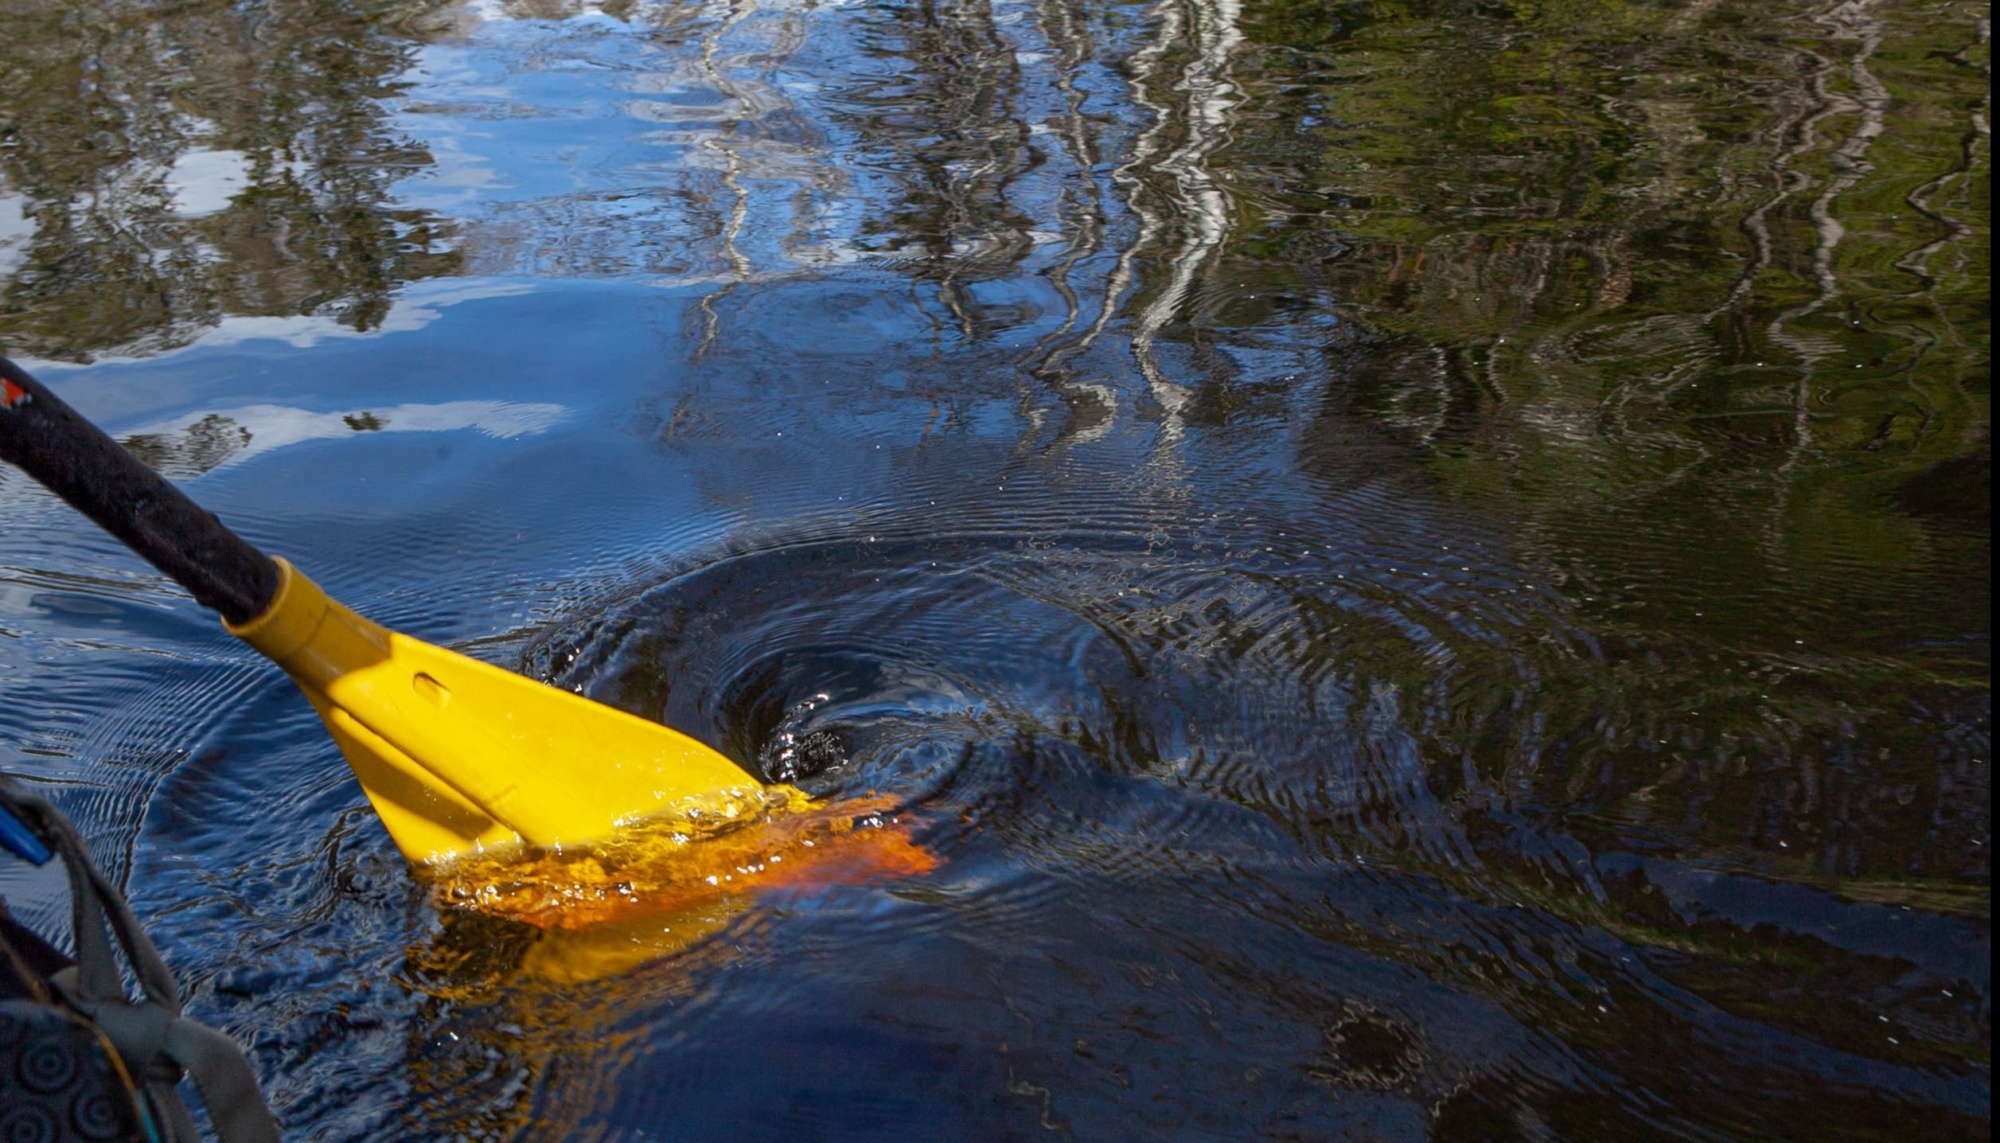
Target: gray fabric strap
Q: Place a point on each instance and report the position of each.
(228, 1087)
(151, 1035)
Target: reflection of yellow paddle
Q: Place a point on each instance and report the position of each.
(457, 756)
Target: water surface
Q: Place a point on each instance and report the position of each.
(1422, 567)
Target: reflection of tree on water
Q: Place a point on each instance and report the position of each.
(205, 159)
(750, 145)
(204, 445)
(1180, 75)
(957, 129)
(1632, 270)
(1081, 211)
(1668, 318)
(1194, 202)
(948, 135)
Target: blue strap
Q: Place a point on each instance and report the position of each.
(21, 841)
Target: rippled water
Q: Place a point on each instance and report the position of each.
(1420, 568)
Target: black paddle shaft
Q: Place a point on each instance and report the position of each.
(75, 460)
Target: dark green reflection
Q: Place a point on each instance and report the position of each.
(1696, 298)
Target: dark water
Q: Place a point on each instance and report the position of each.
(1422, 566)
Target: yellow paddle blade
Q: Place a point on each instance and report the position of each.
(460, 757)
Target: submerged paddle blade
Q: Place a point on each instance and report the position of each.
(461, 756)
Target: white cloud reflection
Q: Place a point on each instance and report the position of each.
(16, 229)
(204, 182)
(195, 443)
(418, 305)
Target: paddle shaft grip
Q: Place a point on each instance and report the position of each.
(73, 458)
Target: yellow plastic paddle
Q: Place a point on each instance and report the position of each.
(456, 755)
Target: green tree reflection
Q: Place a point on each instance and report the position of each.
(1696, 299)
(174, 164)
(939, 118)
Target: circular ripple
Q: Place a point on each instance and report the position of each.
(1132, 678)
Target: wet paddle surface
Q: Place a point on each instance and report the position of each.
(1382, 572)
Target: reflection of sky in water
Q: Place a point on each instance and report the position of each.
(204, 182)
(417, 306)
(554, 141)
(726, 152)
(245, 432)
(15, 230)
